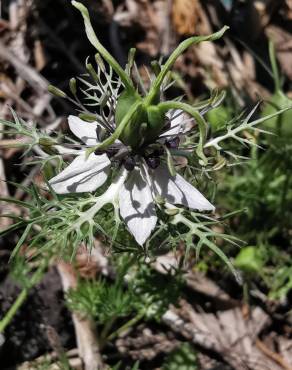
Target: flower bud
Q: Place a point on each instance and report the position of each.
(92, 71)
(48, 145)
(56, 91)
(46, 141)
(72, 85)
(99, 62)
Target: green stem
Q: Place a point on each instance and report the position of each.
(274, 66)
(107, 327)
(101, 49)
(173, 57)
(165, 106)
(126, 326)
(13, 309)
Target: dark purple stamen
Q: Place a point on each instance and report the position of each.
(112, 151)
(98, 152)
(129, 163)
(167, 125)
(173, 143)
(153, 162)
(158, 152)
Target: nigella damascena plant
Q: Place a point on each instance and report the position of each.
(124, 149)
(137, 138)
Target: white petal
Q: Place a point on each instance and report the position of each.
(137, 206)
(63, 150)
(85, 131)
(180, 123)
(177, 190)
(175, 123)
(82, 175)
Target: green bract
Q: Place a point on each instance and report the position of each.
(145, 124)
(140, 118)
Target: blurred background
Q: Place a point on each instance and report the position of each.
(44, 42)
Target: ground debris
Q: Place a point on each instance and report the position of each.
(227, 333)
(146, 345)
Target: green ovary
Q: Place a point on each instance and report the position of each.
(145, 125)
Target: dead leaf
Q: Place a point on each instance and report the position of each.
(39, 55)
(185, 14)
(146, 345)
(287, 10)
(283, 45)
(285, 348)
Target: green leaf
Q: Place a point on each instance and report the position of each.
(21, 241)
(224, 258)
(17, 202)
(101, 49)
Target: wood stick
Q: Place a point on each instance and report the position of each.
(86, 337)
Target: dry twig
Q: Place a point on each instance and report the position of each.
(84, 328)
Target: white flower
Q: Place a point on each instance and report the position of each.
(137, 193)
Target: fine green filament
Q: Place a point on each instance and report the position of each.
(175, 54)
(101, 49)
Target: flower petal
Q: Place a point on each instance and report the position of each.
(137, 206)
(179, 124)
(63, 150)
(175, 123)
(82, 175)
(85, 131)
(176, 190)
